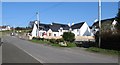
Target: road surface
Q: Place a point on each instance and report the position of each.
(0, 54)
(14, 48)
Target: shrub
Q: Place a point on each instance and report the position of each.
(71, 44)
(60, 40)
(52, 40)
(109, 40)
(42, 39)
(35, 38)
(68, 36)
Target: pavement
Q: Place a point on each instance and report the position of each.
(16, 50)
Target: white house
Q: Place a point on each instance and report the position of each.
(3, 28)
(107, 25)
(49, 30)
(81, 29)
(57, 30)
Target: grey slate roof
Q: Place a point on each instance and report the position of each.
(54, 27)
(102, 21)
(77, 25)
(64, 26)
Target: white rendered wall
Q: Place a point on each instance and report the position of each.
(34, 31)
(85, 30)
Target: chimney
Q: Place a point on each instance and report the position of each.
(69, 24)
(95, 20)
(36, 22)
(72, 23)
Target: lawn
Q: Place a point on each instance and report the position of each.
(103, 51)
(91, 49)
(52, 44)
(40, 41)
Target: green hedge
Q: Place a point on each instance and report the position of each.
(109, 40)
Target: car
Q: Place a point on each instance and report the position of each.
(12, 34)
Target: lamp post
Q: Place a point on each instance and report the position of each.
(99, 19)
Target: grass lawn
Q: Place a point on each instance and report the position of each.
(40, 41)
(3, 33)
(103, 51)
(56, 45)
(91, 49)
(71, 44)
(53, 44)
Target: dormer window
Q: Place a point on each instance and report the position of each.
(70, 29)
(61, 29)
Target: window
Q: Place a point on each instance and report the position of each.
(43, 33)
(60, 30)
(54, 34)
(49, 34)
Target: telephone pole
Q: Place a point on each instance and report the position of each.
(99, 18)
(37, 13)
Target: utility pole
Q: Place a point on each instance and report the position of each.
(99, 18)
(37, 13)
(14, 29)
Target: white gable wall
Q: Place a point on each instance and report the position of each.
(41, 32)
(85, 30)
(76, 32)
(52, 33)
(49, 32)
(55, 34)
(34, 31)
(60, 32)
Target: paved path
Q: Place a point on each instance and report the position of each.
(48, 54)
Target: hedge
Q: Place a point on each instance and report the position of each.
(109, 40)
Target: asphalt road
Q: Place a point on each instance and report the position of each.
(12, 54)
(0, 54)
(16, 50)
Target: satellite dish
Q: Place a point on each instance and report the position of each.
(69, 24)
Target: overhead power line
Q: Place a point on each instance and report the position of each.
(51, 7)
(44, 10)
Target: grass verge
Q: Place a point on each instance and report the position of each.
(40, 41)
(53, 44)
(71, 44)
(103, 51)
